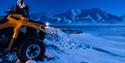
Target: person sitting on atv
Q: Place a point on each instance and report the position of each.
(23, 9)
(31, 31)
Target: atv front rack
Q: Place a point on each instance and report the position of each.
(17, 21)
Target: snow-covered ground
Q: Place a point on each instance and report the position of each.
(83, 48)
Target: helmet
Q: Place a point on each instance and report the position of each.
(21, 3)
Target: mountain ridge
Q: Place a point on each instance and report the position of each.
(94, 15)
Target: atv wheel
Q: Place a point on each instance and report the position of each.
(31, 50)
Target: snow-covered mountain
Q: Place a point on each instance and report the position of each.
(67, 16)
(98, 16)
(85, 16)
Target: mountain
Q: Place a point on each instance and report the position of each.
(112, 19)
(65, 17)
(94, 15)
(70, 14)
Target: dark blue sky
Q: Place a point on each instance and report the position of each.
(116, 7)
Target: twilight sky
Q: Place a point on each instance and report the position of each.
(116, 7)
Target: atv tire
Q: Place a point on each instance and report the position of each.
(31, 50)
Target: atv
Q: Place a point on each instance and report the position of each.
(15, 42)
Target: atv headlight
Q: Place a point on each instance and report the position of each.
(47, 25)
